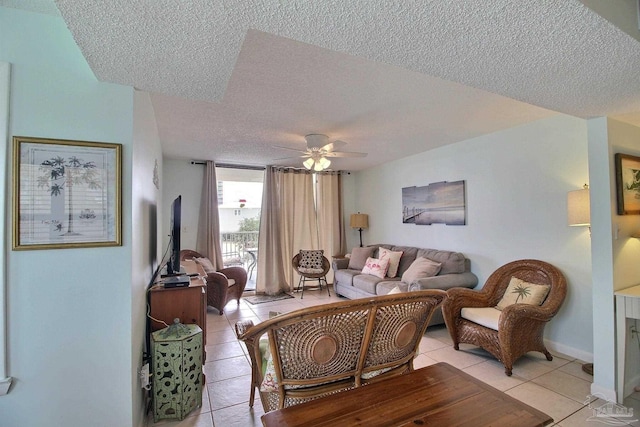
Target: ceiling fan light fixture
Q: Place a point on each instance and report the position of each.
(324, 162)
(318, 150)
(308, 163)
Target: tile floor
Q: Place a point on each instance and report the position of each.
(559, 388)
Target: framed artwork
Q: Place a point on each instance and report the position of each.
(628, 184)
(436, 203)
(66, 194)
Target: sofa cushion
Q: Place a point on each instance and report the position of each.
(366, 283)
(523, 292)
(311, 258)
(359, 257)
(376, 267)
(485, 316)
(420, 268)
(306, 270)
(394, 260)
(452, 262)
(345, 276)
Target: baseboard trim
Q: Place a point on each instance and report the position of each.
(5, 384)
(569, 351)
(607, 394)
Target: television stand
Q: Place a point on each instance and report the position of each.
(188, 303)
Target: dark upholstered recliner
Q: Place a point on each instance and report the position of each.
(516, 329)
(222, 285)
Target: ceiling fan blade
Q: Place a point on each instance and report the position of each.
(316, 140)
(345, 154)
(289, 148)
(302, 156)
(333, 146)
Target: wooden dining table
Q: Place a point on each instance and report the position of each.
(437, 395)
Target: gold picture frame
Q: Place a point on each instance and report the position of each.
(66, 194)
(628, 184)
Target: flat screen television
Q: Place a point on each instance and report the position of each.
(173, 265)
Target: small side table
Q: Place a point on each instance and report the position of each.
(627, 307)
(176, 353)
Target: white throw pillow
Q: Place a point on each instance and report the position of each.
(206, 264)
(522, 292)
(394, 260)
(421, 268)
(376, 267)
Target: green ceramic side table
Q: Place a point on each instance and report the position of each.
(176, 353)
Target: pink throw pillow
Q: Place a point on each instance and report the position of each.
(376, 267)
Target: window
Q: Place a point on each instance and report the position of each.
(239, 206)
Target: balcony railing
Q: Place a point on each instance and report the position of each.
(239, 247)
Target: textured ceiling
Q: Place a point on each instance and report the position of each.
(229, 79)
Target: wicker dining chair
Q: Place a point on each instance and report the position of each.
(520, 327)
(222, 285)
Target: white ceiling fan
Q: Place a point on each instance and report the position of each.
(318, 149)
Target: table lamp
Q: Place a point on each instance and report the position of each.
(359, 221)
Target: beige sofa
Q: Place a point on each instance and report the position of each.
(350, 282)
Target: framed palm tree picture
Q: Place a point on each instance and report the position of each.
(66, 194)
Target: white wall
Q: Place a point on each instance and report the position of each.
(146, 245)
(516, 183)
(180, 177)
(624, 138)
(5, 80)
(69, 310)
(602, 202)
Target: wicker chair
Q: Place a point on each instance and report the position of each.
(328, 348)
(520, 326)
(222, 285)
(311, 274)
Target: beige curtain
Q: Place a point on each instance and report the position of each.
(208, 238)
(331, 230)
(287, 224)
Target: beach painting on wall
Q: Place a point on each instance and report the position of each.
(437, 203)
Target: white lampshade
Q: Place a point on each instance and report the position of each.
(317, 163)
(324, 162)
(578, 210)
(308, 163)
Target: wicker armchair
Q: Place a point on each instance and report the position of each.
(520, 327)
(328, 348)
(222, 285)
(311, 274)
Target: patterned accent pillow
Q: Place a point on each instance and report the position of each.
(269, 378)
(394, 260)
(376, 267)
(311, 259)
(523, 292)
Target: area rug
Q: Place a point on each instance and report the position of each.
(259, 299)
